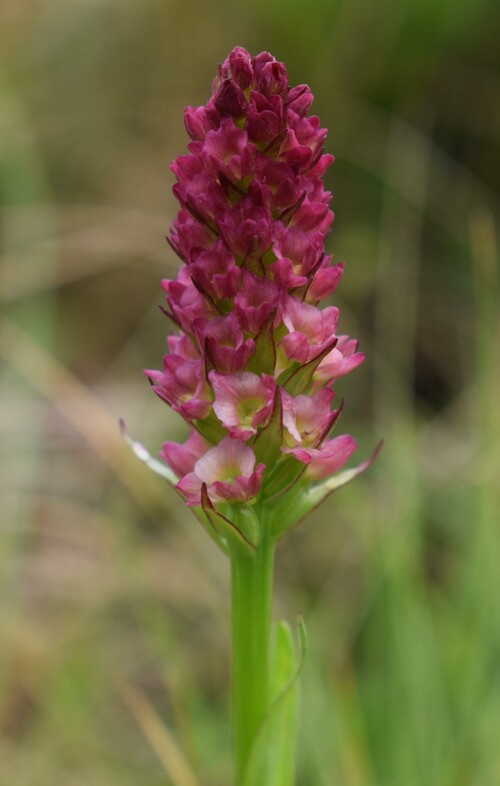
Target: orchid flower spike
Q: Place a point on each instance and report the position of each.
(253, 361)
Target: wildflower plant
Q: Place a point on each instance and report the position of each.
(251, 367)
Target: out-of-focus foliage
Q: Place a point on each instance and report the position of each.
(114, 662)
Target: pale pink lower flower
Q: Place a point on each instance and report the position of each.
(307, 418)
(228, 471)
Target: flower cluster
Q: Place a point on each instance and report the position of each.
(252, 365)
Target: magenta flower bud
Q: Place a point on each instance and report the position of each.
(230, 99)
(313, 216)
(256, 300)
(265, 117)
(271, 76)
(239, 66)
(226, 150)
(182, 385)
(276, 185)
(181, 345)
(197, 121)
(201, 197)
(213, 270)
(252, 367)
(246, 228)
(224, 342)
(188, 233)
(299, 99)
(185, 300)
(297, 253)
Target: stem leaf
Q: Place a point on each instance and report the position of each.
(272, 760)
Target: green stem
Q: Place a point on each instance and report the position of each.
(251, 588)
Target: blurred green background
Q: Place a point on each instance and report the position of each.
(114, 656)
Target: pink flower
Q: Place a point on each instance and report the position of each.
(228, 471)
(307, 418)
(182, 458)
(187, 233)
(238, 66)
(226, 150)
(342, 359)
(182, 385)
(230, 99)
(257, 299)
(299, 99)
(224, 343)
(202, 196)
(324, 281)
(326, 460)
(297, 253)
(265, 117)
(243, 402)
(309, 329)
(185, 301)
(181, 345)
(246, 228)
(213, 270)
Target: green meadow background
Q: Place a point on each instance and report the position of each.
(114, 638)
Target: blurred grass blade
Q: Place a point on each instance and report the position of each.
(273, 756)
(160, 739)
